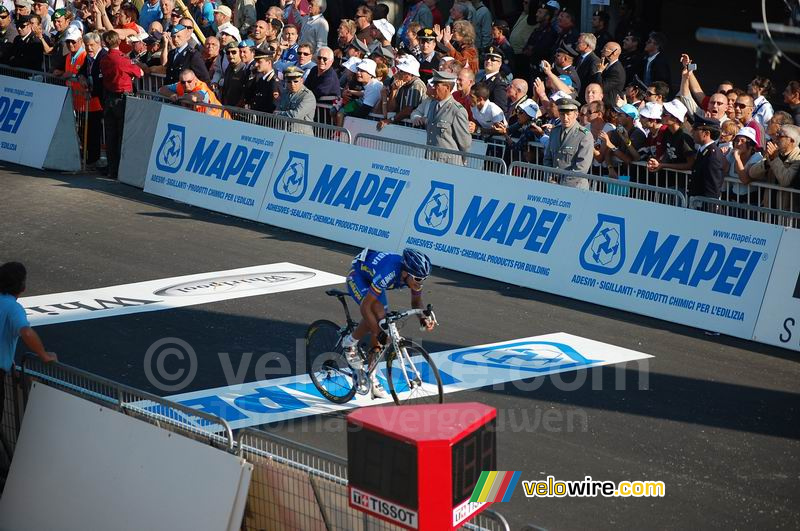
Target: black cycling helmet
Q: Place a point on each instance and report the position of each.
(417, 264)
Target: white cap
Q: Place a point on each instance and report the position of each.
(368, 66)
(231, 30)
(530, 107)
(352, 63)
(651, 110)
(409, 64)
(555, 5)
(73, 34)
(385, 27)
(748, 132)
(676, 109)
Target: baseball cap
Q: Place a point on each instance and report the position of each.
(225, 10)
(23, 3)
(628, 109)
(530, 107)
(72, 34)
(676, 109)
(58, 13)
(368, 66)
(651, 111)
(154, 37)
(178, 27)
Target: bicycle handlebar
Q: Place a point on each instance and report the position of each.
(393, 317)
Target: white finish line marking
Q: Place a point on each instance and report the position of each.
(175, 292)
(292, 397)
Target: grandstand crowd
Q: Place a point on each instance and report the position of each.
(519, 81)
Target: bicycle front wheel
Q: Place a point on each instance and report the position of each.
(329, 371)
(413, 378)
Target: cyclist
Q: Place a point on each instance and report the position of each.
(372, 273)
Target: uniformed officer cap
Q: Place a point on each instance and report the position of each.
(260, 54)
(494, 52)
(568, 50)
(359, 46)
(426, 34)
(292, 72)
(440, 76)
(567, 104)
(701, 122)
(638, 83)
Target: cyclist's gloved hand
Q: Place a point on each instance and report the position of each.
(426, 323)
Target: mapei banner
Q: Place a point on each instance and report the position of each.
(685, 266)
(779, 319)
(29, 114)
(217, 164)
(341, 192)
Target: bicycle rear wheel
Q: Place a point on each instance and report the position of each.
(332, 375)
(417, 382)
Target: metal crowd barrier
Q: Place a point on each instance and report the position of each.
(293, 486)
(449, 156)
(273, 121)
(602, 184)
(150, 82)
(760, 194)
(745, 211)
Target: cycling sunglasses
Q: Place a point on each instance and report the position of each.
(419, 280)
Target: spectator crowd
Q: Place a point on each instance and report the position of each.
(595, 100)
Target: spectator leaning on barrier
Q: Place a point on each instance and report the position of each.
(117, 72)
(677, 152)
(782, 165)
(406, 91)
(92, 81)
(446, 123)
(297, 101)
(487, 117)
(570, 147)
(14, 323)
(193, 93)
(75, 59)
(738, 160)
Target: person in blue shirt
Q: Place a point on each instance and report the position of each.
(371, 275)
(14, 323)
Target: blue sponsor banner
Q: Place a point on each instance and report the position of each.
(29, 114)
(217, 164)
(339, 192)
(685, 266)
(256, 403)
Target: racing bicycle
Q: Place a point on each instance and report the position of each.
(410, 372)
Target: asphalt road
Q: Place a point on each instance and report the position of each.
(717, 421)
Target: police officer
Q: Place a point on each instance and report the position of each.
(263, 93)
(491, 76)
(707, 176)
(565, 65)
(600, 20)
(571, 146)
(428, 57)
(446, 122)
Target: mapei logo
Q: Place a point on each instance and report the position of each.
(338, 187)
(525, 356)
(12, 113)
(604, 249)
(170, 154)
(435, 213)
(292, 181)
(210, 157)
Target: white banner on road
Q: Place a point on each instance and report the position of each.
(175, 292)
(779, 320)
(29, 114)
(255, 403)
(340, 192)
(216, 164)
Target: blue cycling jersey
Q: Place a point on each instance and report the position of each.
(383, 270)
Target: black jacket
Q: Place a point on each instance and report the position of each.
(27, 52)
(659, 70)
(93, 75)
(189, 58)
(497, 90)
(707, 177)
(586, 70)
(612, 79)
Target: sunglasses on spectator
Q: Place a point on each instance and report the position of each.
(321, 58)
(231, 52)
(304, 53)
(3, 16)
(741, 105)
(188, 81)
(70, 42)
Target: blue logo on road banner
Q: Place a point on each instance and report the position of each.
(435, 213)
(527, 356)
(604, 249)
(292, 181)
(170, 154)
